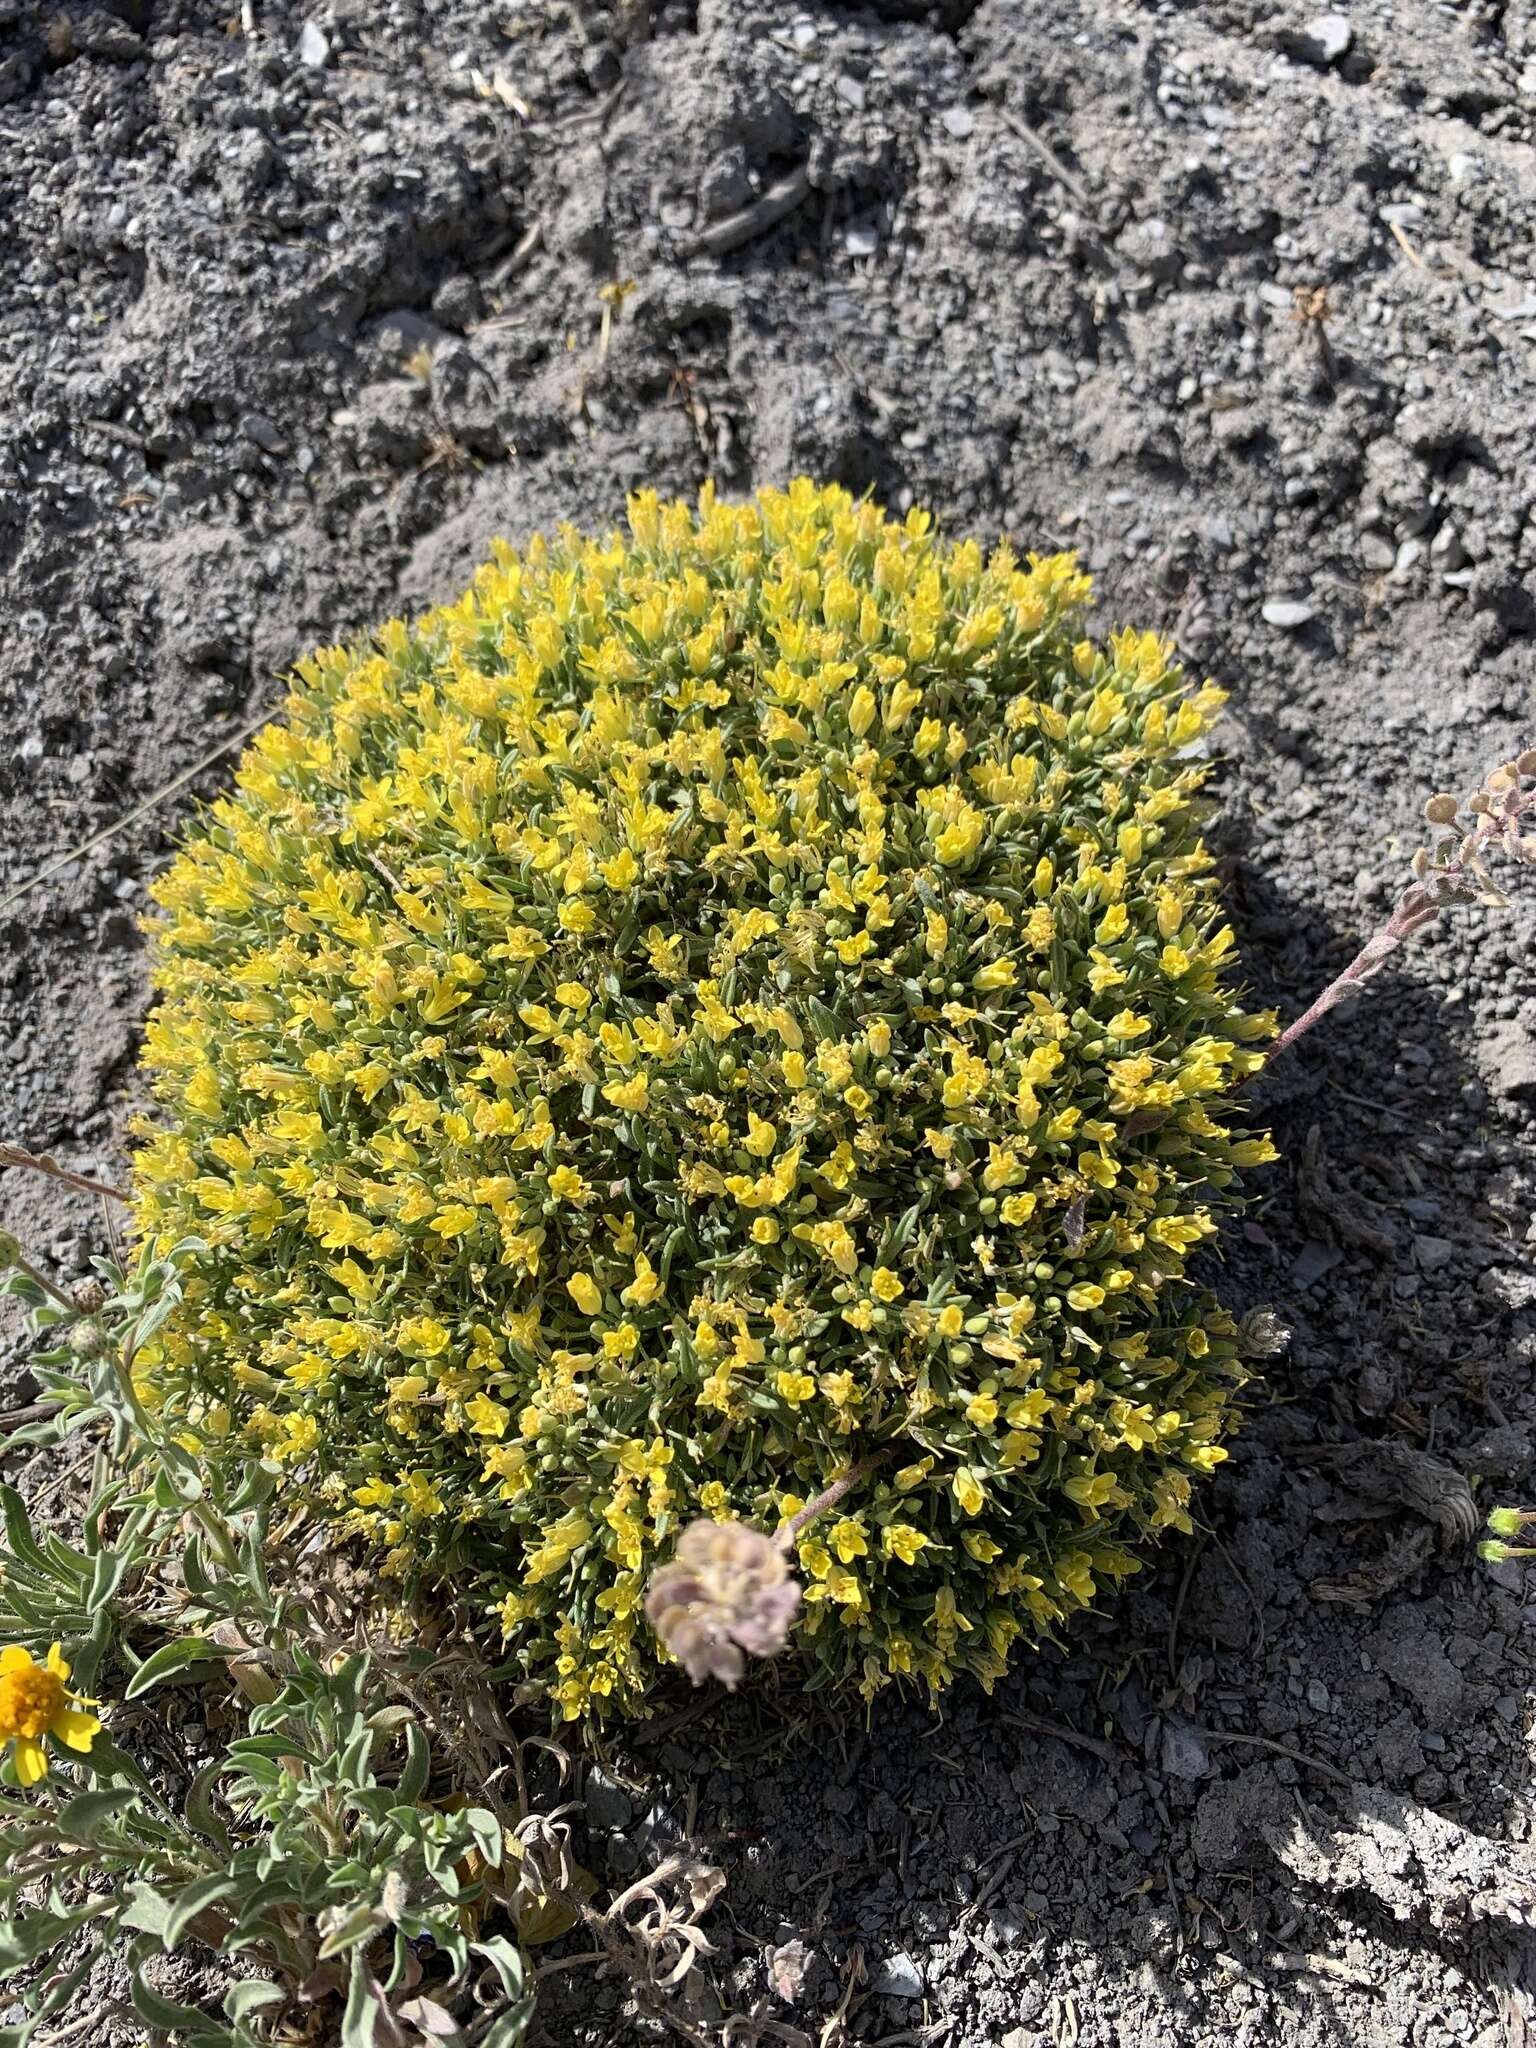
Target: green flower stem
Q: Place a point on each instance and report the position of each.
(40, 1279)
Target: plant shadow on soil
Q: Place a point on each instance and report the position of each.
(1315, 1610)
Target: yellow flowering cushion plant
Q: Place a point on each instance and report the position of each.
(716, 1005)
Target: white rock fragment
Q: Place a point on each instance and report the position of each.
(1328, 38)
(314, 47)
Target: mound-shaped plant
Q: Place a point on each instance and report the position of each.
(710, 1010)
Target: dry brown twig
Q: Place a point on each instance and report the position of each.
(39, 1162)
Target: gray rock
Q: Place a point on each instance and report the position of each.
(402, 331)
(1289, 613)
(314, 47)
(1446, 550)
(608, 1804)
(1509, 1059)
(1314, 1261)
(725, 185)
(1184, 1753)
(959, 122)
(1433, 1252)
(258, 429)
(1409, 556)
(898, 1977)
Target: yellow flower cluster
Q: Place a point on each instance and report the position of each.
(716, 1002)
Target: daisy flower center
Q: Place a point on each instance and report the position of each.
(30, 1702)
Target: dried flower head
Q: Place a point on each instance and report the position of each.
(728, 1591)
(1262, 1334)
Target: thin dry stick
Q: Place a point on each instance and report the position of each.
(1297, 1756)
(1047, 156)
(13, 1155)
(132, 817)
(737, 229)
(1037, 1724)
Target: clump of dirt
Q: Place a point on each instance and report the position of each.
(299, 309)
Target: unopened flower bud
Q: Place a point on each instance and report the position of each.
(1441, 810)
(728, 1590)
(90, 1296)
(1506, 1521)
(87, 1339)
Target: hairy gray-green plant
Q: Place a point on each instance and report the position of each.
(327, 1844)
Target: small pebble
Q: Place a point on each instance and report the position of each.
(1288, 613)
(1329, 36)
(314, 47)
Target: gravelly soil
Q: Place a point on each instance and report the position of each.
(1243, 309)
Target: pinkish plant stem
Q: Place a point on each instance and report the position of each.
(829, 1497)
(1417, 907)
(1414, 911)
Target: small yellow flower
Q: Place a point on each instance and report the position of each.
(886, 1285)
(847, 1539)
(761, 1135)
(632, 1094)
(35, 1702)
(795, 1387)
(487, 1417)
(900, 1539)
(454, 1220)
(967, 1490)
(585, 1292)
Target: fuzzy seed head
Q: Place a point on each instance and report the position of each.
(728, 1591)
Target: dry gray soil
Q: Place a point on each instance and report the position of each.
(297, 312)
